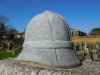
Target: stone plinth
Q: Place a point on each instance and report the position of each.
(9, 67)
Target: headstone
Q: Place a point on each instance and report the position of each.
(47, 41)
(87, 48)
(90, 55)
(98, 49)
(82, 46)
(77, 47)
(97, 46)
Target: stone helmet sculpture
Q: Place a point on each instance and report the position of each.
(47, 41)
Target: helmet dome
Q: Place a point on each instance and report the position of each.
(47, 41)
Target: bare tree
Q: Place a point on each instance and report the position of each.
(3, 25)
(12, 31)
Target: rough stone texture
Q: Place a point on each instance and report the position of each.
(47, 41)
(8, 67)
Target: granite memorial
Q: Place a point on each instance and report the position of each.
(48, 42)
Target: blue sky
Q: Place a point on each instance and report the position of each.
(80, 14)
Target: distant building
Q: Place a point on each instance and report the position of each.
(77, 33)
(19, 35)
(79, 36)
(13, 36)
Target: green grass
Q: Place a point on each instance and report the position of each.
(4, 54)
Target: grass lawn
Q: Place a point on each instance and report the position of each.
(4, 54)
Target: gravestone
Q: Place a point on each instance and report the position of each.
(86, 47)
(47, 41)
(98, 49)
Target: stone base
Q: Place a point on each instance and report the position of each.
(9, 67)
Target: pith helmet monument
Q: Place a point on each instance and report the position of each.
(47, 41)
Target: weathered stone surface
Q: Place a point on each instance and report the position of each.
(8, 67)
(47, 41)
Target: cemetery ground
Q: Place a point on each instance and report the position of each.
(11, 54)
(10, 48)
